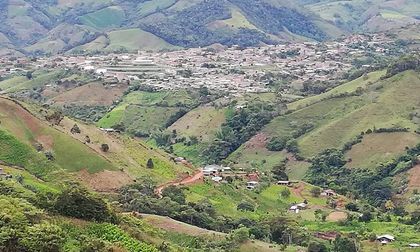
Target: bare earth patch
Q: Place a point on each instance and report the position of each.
(414, 177)
(257, 142)
(46, 141)
(104, 181)
(91, 94)
(337, 216)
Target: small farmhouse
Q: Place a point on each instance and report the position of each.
(384, 239)
(251, 185)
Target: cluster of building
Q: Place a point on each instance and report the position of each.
(232, 70)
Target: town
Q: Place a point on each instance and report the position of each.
(232, 70)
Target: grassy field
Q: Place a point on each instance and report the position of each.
(109, 17)
(20, 130)
(404, 234)
(379, 148)
(348, 87)
(40, 78)
(388, 105)
(238, 21)
(30, 130)
(150, 7)
(129, 155)
(202, 122)
(136, 39)
(256, 158)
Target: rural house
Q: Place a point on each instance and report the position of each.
(384, 239)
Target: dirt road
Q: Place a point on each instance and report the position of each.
(196, 177)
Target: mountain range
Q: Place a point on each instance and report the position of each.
(58, 26)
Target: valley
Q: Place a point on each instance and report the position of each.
(149, 126)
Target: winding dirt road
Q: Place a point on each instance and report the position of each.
(192, 179)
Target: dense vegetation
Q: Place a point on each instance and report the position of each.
(238, 129)
(274, 20)
(376, 186)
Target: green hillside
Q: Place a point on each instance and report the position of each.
(143, 112)
(52, 27)
(85, 22)
(335, 118)
(109, 17)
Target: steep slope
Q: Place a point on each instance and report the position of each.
(79, 154)
(334, 120)
(60, 26)
(52, 27)
(362, 15)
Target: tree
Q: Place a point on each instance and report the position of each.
(75, 129)
(321, 215)
(150, 164)
(279, 171)
(366, 216)
(317, 246)
(175, 193)
(29, 75)
(316, 191)
(351, 206)
(105, 147)
(245, 206)
(77, 201)
(344, 244)
(292, 146)
(276, 144)
(240, 235)
(285, 193)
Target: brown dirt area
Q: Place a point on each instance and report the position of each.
(105, 181)
(337, 216)
(195, 178)
(257, 142)
(91, 94)
(46, 141)
(13, 110)
(297, 190)
(414, 177)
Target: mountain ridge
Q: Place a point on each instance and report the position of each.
(36, 27)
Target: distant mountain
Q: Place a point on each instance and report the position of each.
(55, 26)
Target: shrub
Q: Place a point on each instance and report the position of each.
(316, 246)
(285, 193)
(105, 147)
(150, 164)
(245, 206)
(76, 201)
(316, 191)
(276, 144)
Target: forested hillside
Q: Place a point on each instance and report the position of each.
(29, 26)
